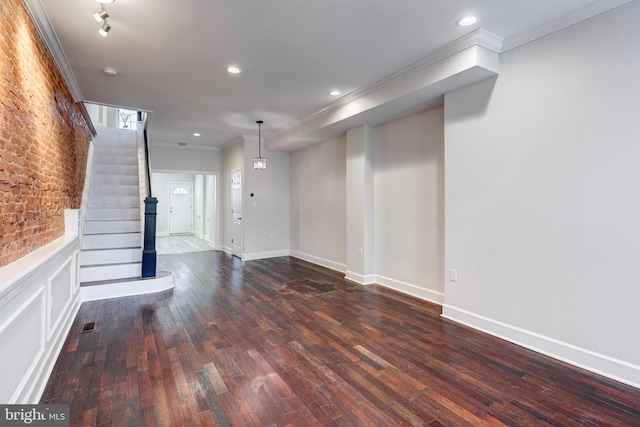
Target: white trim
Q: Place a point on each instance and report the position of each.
(51, 356)
(410, 289)
(211, 242)
(162, 233)
(263, 255)
(161, 282)
(69, 266)
(572, 18)
(226, 249)
(22, 273)
(369, 279)
(232, 142)
(38, 297)
(189, 146)
(50, 39)
(601, 364)
(342, 268)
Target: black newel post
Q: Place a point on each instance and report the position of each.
(149, 250)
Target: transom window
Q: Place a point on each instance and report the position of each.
(127, 119)
(180, 190)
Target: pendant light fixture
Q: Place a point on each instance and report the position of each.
(259, 163)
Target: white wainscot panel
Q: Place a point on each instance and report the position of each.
(59, 290)
(22, 338)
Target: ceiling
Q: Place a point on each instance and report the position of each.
(172, 56)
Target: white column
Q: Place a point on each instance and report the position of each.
(360, 205)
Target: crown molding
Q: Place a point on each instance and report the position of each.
(237, 139)
(479, 37)
(48, 35)
(581, 14)
(186, 147)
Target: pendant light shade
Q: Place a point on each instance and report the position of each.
(259, 163)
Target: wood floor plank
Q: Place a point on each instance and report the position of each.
(285, 342)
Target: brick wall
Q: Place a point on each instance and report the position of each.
(44, 140)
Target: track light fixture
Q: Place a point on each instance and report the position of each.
(104, 30)
(101, 16)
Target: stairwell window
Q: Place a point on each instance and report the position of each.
(127, 119)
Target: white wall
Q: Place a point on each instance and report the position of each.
(542, 185)
(409, 204)
(197, 159)
(318, 203)
(265, 215)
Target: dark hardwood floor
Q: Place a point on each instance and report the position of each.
(283, 342)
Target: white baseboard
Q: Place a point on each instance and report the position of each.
(601, 364)
(410, 289)
(263, 255)
(342, 268)
(368, 279)
(211, 242)
(162, 282)
(162, 233)
(227, 250)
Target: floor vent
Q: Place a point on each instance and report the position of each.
(88, 327)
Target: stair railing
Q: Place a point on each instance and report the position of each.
(150, 203)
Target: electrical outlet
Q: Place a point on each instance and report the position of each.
(453, 275)
(361, 252)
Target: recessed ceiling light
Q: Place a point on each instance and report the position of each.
(466, 21)
(334, 93)
(234, 70)
(105, 1)
(196, 134)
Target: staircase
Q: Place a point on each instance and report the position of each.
(111, 242)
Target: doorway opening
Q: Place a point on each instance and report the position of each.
(188, 211)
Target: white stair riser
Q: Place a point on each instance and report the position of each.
(102, 227)
(112, 137)
(99, 169)
(113, 201)
(112, 241)
(102, 179)
(105, 159)
(110, 272)
(110, 256)
(100, 150)
(125, 214)
(113, 190)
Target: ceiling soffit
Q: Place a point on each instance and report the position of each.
(467, 60)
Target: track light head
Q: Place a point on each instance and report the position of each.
(101, 16)
(104, 30)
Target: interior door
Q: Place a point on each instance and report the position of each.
(236, 212)
(180, 207)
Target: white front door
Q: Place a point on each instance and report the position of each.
(180, 207)
(236, 212)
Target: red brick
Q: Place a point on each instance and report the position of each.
(44, 140)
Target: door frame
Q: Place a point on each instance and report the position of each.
(184, 183)
(163, 208)
(236, 250)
